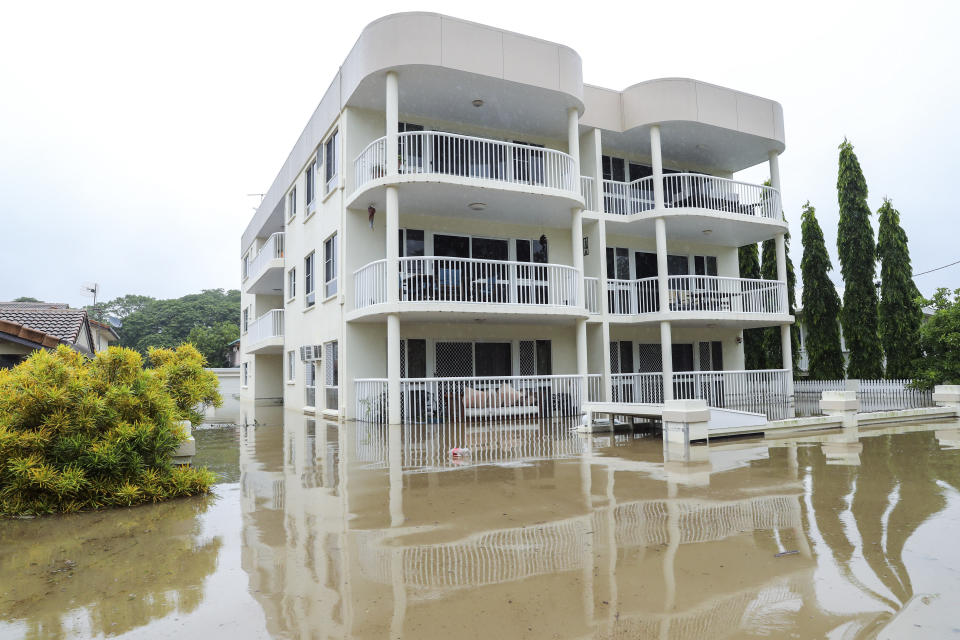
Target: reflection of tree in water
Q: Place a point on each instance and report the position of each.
(113, 570)
(889, 496)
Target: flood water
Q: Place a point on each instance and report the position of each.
(358, 531)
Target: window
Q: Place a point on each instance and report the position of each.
(711, 356)
(311, 173)
(411, 243)
(705, 265)
(292, 284)
(411, 147)
(291, 366)
(246, 319)
(465, 359)
(308, 279)
(536, 358)
(413, 358)
(246, 371)
(330, 161)
(244, 265)
(292, 203)
(331, 375)
(310, 383)
(330, 266)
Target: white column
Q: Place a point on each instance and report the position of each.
(582, 357)
(656, 159)
(663, 292)
(786, 351)
(774, 170)
(393, 244)
(605, 323)
(393, 368)
(666, 356)
(393, 119)
(573, 141)
(576, 245)
(781, 245)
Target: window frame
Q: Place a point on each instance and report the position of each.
(245, 375)
(309, 279)
(291, 284)
(291, 367)
(310, 186)
(331, 156)
(245, 320)
(330, 265)
(292, 203)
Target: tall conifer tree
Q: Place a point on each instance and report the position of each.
(857, 250)
(900, 315)
(821, 303)
(752, 338)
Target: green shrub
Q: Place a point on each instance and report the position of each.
(79, 434)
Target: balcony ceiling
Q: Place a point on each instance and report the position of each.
(447, 95)
(724, 229)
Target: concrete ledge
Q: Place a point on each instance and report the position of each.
(188, 448)
(839, 401)
(948, 394)
(685, 411)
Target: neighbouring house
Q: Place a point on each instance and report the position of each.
(465, 228)
(104, 334)
(28, 326)
(233, 353)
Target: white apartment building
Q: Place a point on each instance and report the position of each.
(465, 230)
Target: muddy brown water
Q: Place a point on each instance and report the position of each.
(317, 531)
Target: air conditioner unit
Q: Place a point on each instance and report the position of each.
(311, 352)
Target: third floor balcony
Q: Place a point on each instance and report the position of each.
(469, 172)
(264, 271)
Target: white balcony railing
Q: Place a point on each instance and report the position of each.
(637, 387)
(371, 163)
(271, 250)
(470, 280)
(595, 387)
(588, 190)
(591, 291)
(435, 152)
(370, 284)
(269, 325)
(691, 190)
(714, 294)
(500, 398)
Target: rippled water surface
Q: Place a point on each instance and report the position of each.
(322, 531)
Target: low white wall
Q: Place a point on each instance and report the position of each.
(229, 379)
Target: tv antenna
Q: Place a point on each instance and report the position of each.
(91, 289)
(259, 195)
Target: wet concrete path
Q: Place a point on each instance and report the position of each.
(317, 531)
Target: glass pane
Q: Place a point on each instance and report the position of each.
(490, 249)
(493, 358)
(711, 265)
(638, 171)
(717, 355)
(414, 245)
(544, 358)
(623, 264)
(451, 246)
(416, 358)
(523, 250)
(646, 264)
(626, 357)
(678, 266)
(540, 250)
(682, 357)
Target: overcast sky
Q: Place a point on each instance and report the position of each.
(131, 133)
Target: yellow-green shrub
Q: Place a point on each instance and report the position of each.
(81, 434)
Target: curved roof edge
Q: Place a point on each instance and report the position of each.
(684, 100)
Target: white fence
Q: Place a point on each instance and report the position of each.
(591, 291)
(371, 399)
(698, 293)
(588, 190)
(874, 395)
(626, 198)
(430, 278)
(370, 284)
(691, 190)
(764, 392)
(271, 250)
(269, 325)
(595, 387)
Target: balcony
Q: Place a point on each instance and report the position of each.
(463, 169)
(740, 300)
(265, 270)
(472, 286)
(265, 334)
(694, 204)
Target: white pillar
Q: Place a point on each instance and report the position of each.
(582, 369)
(666, 356)
(576, 245)
(393, 368)
(573, 141)
(781, 245)
(605, 324)
(663, 292)
(393, 120)
(656, 159)
(393, 244)
(774, 170)
(786, 351)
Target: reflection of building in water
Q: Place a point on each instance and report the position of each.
(377, 541)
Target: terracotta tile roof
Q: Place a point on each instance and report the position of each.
(26, 333)
(64, 324)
